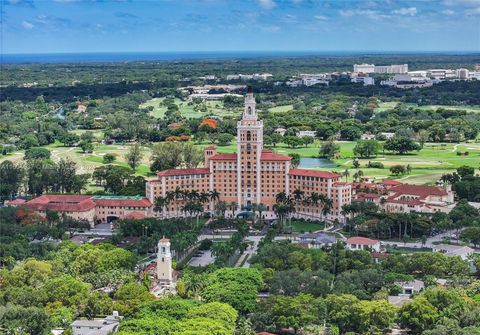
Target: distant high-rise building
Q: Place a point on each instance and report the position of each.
(395, 69)
(364, 68)
(372, 68)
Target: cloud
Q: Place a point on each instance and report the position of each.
(290, 18)
(412, 11)
(20, 3)
(267, 4)
(462, 2)
(27, 25)
(320, 17)
(125, 15)
(448, 12)
(270, 29)
(368, 13)
(473, 11)
(346, 13)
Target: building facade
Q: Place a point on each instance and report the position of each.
(252, 175)
(94, 209)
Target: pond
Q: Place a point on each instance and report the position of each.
(311, 163)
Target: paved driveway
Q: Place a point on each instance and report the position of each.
(202, 258)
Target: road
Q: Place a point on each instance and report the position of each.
(428, 243)
(252, 250)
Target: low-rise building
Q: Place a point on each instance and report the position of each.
(407, 198)
(94, 209)
(450, 250)
(363, 243)
(411, 287)
(367, 136)
(106, 326)
(365, 80)
(280, 131)
(316, 240)
(306, 133)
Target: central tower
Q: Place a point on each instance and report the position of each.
(249, 152)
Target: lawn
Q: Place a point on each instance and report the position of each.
(281, 109)
(303, 226)
(214, 108)
(86, 163)
(383, 106)
(428, 165)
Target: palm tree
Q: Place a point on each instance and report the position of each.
(221, 208)
(327, 204)
(358, 175)
(204, 197)
(214, 196)
(193, 195)
(232, 206)
(160, 203)
(281, 197)
(261, 208)
(346, 174)
(298, 194)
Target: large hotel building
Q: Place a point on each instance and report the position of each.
(252, 175)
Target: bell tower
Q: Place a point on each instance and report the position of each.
(164, 262)
(249, 151)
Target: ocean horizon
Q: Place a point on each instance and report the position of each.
(114, 57)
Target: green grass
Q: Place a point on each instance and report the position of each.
(429, 164)
(214, 108)
(281, 109)
(87, 162)
(384, 106)
(301, 226)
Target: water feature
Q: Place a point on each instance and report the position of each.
(312, 163)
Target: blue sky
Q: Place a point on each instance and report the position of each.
(42, 26)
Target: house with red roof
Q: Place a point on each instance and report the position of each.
(363, 243)
(396, 197)
(252, 175)
(406, 198)
(94, 209)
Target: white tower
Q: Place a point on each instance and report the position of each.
(164, 262)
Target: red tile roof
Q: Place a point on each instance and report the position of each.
(418, 190)
(361, 240)
(224, 157)
(62, 203)
(269, 156)
(212, 147)
(123, 202)
(183, 172)
(17, 201)
(390, 182)
(313, 173)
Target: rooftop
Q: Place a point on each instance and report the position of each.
(62, 202)
(361, 240)
(313, 173)
(183, 172)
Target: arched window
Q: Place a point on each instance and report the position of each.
(249, 110)
(249, 136)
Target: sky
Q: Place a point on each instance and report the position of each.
(74, 26)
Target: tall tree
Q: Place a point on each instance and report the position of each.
(134, 156)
